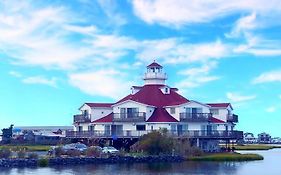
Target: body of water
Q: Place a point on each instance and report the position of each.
(271, 165)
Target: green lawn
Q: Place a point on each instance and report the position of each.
(256, 147)
(227, 157)
(26, 147)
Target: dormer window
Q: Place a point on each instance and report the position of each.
(165, 90)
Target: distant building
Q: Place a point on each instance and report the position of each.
(249, 138)
(264, 138)
(40, 134)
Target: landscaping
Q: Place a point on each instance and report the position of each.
(227, 157)
(29, 148)
(256, 147)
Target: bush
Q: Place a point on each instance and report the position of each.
(58, 151)
(32, 156)
(73, 153)
(43, 162)
(21, 154)
(155, 143)
(93, 152)
(5, 153)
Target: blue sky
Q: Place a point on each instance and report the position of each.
(55, 55)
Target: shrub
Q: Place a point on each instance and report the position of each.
(73, 153)
(21, 154)
(93, 152)
(5, 153)
(43, 162)
(32, 156)
(155, 143)
(58, 151)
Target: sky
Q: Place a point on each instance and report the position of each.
(56, 55)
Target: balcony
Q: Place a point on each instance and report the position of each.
(232, 118)
(204, 134)
(81, 118)
(129, 117)
(195, 117)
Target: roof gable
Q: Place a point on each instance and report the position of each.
(219, 105)
(161, 115)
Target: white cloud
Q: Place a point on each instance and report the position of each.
(40, 80)
(108, 83)
(193, 11)
(234, 97)
(272, 76)
(174, 51)
(270, 109)
(15, 74)
(244, 24)
(197, 76)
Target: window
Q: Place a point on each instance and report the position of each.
(172, 110)
(214, 111)
(80, 128)
(85, 113)
(184, 127)
(173, 127)
(140, 127)
(91, 128)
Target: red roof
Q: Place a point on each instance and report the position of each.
(152, 95)
(215, 120)
(219, 105)
(106, 119)
(154, 64)
(100, 105)
(161, 115)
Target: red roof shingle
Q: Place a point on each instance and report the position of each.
(152, 95)
(154, 64)
(215, 120)
(100, 105)
(219, 105)
(106, 119)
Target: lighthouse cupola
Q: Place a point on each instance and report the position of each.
(155, 74)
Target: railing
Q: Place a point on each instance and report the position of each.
(232, 118)
(195, 117)
(129, 117)
(151, 75)
(134, 133)
(81, 118)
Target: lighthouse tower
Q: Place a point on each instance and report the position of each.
(154, 75)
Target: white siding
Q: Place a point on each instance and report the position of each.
(131, 104)
(99, 113)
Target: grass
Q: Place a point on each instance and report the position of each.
(256, 147)
(29, 148)
(227, 157)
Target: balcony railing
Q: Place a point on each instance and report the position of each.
(81, 118)
(232, 118)
(195, 117)
(129, 117)
(152, 75)
(219, 134)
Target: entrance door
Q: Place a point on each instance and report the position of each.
(179, 128)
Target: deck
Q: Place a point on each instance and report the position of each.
(136, 134)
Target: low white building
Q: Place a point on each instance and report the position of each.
(153, 106)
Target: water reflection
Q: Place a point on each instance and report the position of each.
(268, 166)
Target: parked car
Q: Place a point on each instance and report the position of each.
(75, 146)
(109, 149)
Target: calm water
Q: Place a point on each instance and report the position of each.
(271, 165)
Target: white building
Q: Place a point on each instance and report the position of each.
(153, 106)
